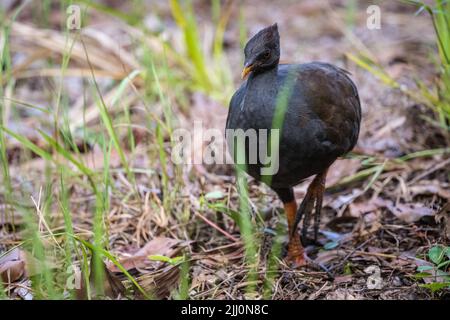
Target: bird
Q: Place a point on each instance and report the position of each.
(321, 118)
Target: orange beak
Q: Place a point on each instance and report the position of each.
(246, 71)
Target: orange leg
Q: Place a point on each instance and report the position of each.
(295, 249)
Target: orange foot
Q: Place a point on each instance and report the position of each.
(295, 261)
(296, 256)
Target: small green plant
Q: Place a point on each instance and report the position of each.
(440, 15)
(438, 272)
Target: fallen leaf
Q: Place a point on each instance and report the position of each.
(160, 246)
(12, 266)
(18, 263)
(358, 209)
(325, 257)
(158, 275)
(431, 187)
(161, 282)
(112, 285)
(344, 199)
(410, 212)
(221, 256)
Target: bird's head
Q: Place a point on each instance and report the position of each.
(262, 51)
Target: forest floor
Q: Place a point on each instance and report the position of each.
(386, 205)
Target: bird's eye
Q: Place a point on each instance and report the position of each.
(265, 55)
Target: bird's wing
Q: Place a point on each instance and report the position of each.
(332, 98)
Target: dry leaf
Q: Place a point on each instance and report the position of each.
(325, 257)
(12, 266)
(158, 277)
(222, 255)
(343, 294)
(407, 212)
(344, 199)
(18, 263)
(431, 187)
(160, 283)
(158, 246)
(358, 209)
(410, 212)
(112, 285)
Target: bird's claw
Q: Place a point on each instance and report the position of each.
(296, 262)
(296, 257)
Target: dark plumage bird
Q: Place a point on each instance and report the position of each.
(320, 122)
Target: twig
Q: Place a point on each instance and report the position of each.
(42, 219)
(352, 252)
(377, 254)
(215, 226)
(434, 167)
(320, 266)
